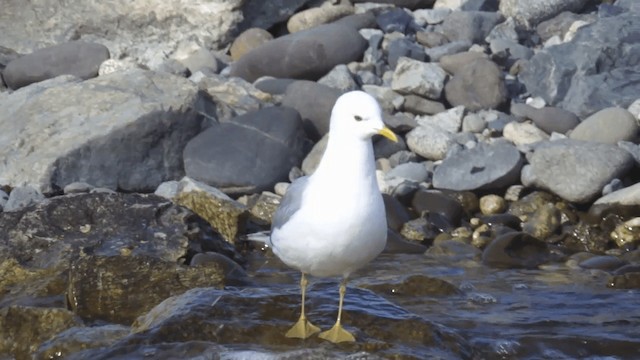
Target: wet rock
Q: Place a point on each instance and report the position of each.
(430, 142)
(247, 41)
(435, 202)
(146, 32)
(602, 262)
(479, 85)
(625, 281)
(515, 250)
(415, 285)
(453, 250)
(483, 167)
(56, 232)
(224, 214)
(576, 170)
(79, 338)
(529, 14)
(397, 244)
(492, 204)
(118, 289)
(529, 204)
(307, 54)
(248, 154)
(550, 119)
(24, 328)
(602, 75)
(418, 78)
(262, 207)
(507, 220)
(397, 214)
(257, 316)
(312, 17)
(121, 131)
(623, 200)
(77, 58)
(472, 26)
(417, 230)
(627, 233)
(544, 222)
(314, 103)
(608, 126)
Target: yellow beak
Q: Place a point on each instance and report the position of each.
(388, 134)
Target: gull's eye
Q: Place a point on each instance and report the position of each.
(357, 117)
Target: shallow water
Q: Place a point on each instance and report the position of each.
(552, 313)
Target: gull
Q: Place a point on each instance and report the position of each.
(333, 222)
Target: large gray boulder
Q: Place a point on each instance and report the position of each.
(123, 131)
(248, 154)
(576, 170)
(308, 54)
(148, 31)
(595, 70)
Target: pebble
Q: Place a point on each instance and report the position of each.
(609, 126)
(492, 204)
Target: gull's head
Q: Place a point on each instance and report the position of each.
(358, 114)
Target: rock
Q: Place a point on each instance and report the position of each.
(272, 85)
(476, 86)
(339, 78)
(454, 63)
(21, 197)
(634, 109)
(247, 41)
(389, 100)
(449, 120)
(397, 214)
(436, 202)
(483, 167)
(418, 78)
(118, 289)
(403, 47)
(21, 338)
(433, 16)
(557, 25)
(544, 222)
(411, 171)
(79, 338)
(629, 196)
(504, 31)
(430, 142)
(232, 97)
(248, 154)
(420, 106)
(78, 188)
(77, 58)
(262, 207)
(312, 17)
(431, 39)
(224, 214)
(576, 170)
(485, 5)
(197, 59)
(607, 126)
(602, 262)
(625, 281)
(314, 102)
(121, 131)
(415, 285)
(472, 26)
(626, 233)
(492, 204)
(515, 250)
(473, 123)
(147, 32)
(549, 119)
(528, 14)
(397, 244)
(265, 15)
(600, 73)
(510, 49)
(307, 54)
(523, 133)
(450, 48)
(409, 4)
(4, 197)
(395, 20)
(55, 232)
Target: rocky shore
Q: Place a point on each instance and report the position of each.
(144, 145)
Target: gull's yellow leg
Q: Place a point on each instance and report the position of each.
(303, 328)
(337, 333)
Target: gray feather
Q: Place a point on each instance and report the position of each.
(290, 203)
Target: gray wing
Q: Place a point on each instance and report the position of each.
(290, 202)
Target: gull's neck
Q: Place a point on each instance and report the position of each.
(347, 160)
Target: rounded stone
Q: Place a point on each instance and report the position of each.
(78, 58)
(608, 125)
(515, 250)
(492, 204)
(249, 40)
(479, 85)
(312, 17)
